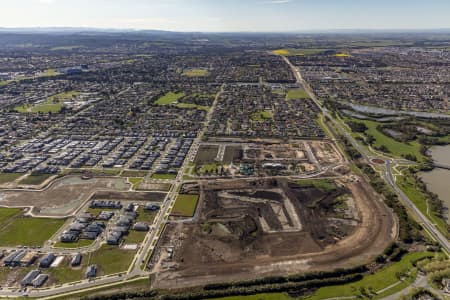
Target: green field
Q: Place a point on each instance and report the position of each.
(6, 214)
(9, 177)
(261, 115)
(376, 282)
(395, 148)
(135, 237)
(297, 94)
(35, 179)
(164, 176)
(111, 260)
(321, 184)
(52, 104)
(185, 205)
(131, 173)
(169, 98)
(145, 216)
(196, 73)
(25, 231)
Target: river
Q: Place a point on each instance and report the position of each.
(438, 180)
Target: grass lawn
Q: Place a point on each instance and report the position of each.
(135, 237)
(79, 244)
(131, 173)
(52, 104)
(261, 115)
(321, 184)
(297, 94)
(185, 205)
(135, 182)
(164, 176)
(395, 148)
(169, 98)
(29, 231)
(377, 281)
(408, 185)
(111, 259)
(35, 179)
(6, 214)
(208, 168)
(9, 177)
(196, 73)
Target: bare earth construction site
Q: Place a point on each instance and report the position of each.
(255, 227)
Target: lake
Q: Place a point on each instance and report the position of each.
(438, 180)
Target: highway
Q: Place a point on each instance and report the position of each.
(387, 176)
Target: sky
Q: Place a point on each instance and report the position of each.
(228, 15)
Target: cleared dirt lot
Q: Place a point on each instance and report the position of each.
(129, 196)
(243, 237)
(63, 196)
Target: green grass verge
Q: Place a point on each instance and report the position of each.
(111, 259)
(9, 177)
(408, 185)
(297, 94)
(376, 282)
(135, 182)
(133, 286)
(131, 173)
(169, 98)
(164, 176)
(28, 231)
(185, 205)
(35, 179)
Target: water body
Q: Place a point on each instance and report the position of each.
(393, 112)
(438, 180)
